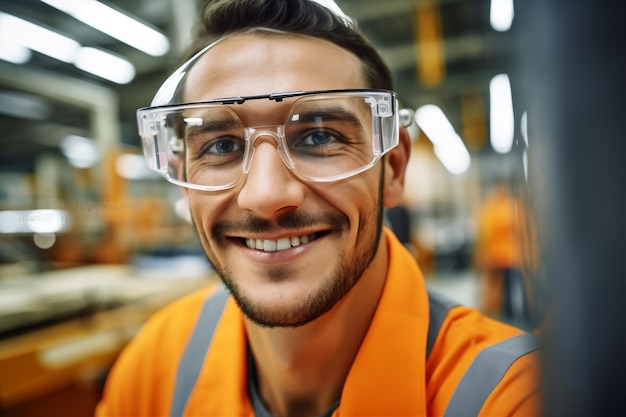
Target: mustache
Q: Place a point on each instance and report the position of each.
(290, 220)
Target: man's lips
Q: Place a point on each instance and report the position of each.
(289, 231)
(280, 244)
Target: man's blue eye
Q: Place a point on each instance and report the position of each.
(224, 146)
(318, 138)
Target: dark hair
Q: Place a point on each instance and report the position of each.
(305, 17)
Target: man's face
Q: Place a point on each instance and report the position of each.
(327, 234)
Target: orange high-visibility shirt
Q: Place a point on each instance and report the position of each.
(391, 375)
(499, 232)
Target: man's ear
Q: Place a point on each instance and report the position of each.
(395, 167)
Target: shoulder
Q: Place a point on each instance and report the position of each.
(141, 380)
(172, 324)
(167, 331)
(465, 329)
(181, 313)
(476, 356)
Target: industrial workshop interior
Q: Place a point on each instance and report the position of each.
(515, 148)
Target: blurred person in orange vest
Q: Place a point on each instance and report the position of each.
(285, 134)
(499, 257)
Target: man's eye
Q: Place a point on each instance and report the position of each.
(318, 138)
(223, 146)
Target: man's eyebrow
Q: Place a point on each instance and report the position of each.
(333, 114)
(196, 125)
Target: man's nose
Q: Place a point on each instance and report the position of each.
(269, 188)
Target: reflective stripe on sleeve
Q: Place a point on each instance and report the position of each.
(486, 372)
(439, 306)
(191, 362)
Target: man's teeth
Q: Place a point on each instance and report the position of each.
(280, 244)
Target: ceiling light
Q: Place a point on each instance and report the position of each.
(448, 145)
(501, 113)
(18, 37)
(115, 24)
(35, 37)
(10, 50)
(501, 15)
(105, 65)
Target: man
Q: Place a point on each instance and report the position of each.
(284, 134)
(499, 256)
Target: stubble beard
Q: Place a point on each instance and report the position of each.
(334, 287)
(325, 296)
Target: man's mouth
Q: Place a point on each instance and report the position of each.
(280, 244)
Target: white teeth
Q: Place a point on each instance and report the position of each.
(280, 244)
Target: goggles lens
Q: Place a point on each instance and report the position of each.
(325, 136)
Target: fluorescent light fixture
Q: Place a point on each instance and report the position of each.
(501, 15)
(37, 38)
(79, 151)
(501, 119)
(18, 37)
(105, 65)
(448, 145)
(10, 50)
(115, 24)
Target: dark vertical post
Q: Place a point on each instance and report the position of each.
(571, 59)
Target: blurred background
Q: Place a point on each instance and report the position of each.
(92, 242)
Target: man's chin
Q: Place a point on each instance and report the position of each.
(288, 307)
(270, 314)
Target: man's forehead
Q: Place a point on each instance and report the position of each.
(267, 62)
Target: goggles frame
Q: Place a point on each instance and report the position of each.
(386, 120)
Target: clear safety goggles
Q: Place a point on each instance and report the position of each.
(324, 136)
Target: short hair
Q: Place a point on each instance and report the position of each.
(305, 17)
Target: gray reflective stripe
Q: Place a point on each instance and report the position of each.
(486, 372)
(191, 362)
(439, 306)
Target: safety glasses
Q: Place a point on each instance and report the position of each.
(325, 136)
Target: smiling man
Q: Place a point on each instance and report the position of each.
(286, 137)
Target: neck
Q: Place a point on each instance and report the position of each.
(301, 371)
